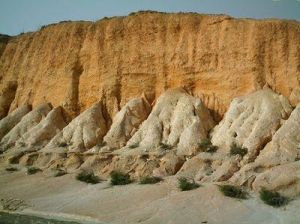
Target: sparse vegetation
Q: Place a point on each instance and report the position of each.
(11, 169)
(273, 198)
(33, 170)
(187, 185)
(150, 180)
(88, 177)
(238, 150)
(101, 144)
(63, 144)
(233, 191)
(207, 146)
(119, 178)
(134, 146)
(165, 146)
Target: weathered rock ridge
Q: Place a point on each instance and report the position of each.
(165, 138)
(215, 57)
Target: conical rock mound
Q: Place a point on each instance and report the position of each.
(251, 121)
(82, 133)
(177, 120)
(127, 121)
(29, 121)
(42, 133)
(277, 165)
(11, 120)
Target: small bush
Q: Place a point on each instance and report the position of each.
(119, 178)
(33, 170)
(133, 146)
(237, 150)
(63, 144)
(11, 169)
(233, 191)
(165, 146)
(273, 198)
(89, 178)
(207, 146)
(187, 185)
(150, 180)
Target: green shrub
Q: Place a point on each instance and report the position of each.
(238, 150)
(33, 170)
(119, 178)
(134, 146)
(207, 146)
(63, 144)
(187, 185)
(273, 198)
(233, 191)
(165, 146)
(88, 177)
(11, 169)
(150, 180)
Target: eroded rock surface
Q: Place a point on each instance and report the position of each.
(177, 120)
(42, 133)
(29, 121)
(251, 121)
(127, 121)
(11, 120)
(278, 160)
(82, 133)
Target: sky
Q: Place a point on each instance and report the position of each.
(18, 16)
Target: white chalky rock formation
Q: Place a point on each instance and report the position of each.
(42, 133)
(177, 120)
(279, 159)
(11, 120)
(29, 121)
(251, 121)
(127, 121)
(82, 133)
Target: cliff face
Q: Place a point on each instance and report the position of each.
(214, 57)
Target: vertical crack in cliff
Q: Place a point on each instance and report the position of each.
(7, 96)
(74, 90)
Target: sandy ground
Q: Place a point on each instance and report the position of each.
(134, 203)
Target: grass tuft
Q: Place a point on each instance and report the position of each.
(119, 178)
(273, 198)
(11, 169)
(165, 146)
(233, 191)
(63, 144)
(33, 170)
(187, 185)
(88, 177)
(134, 146)
(207, 146)
(238, 150)
(150, 180)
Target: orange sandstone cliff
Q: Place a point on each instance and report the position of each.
(214, 57)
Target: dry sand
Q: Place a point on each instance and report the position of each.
(160, 203)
